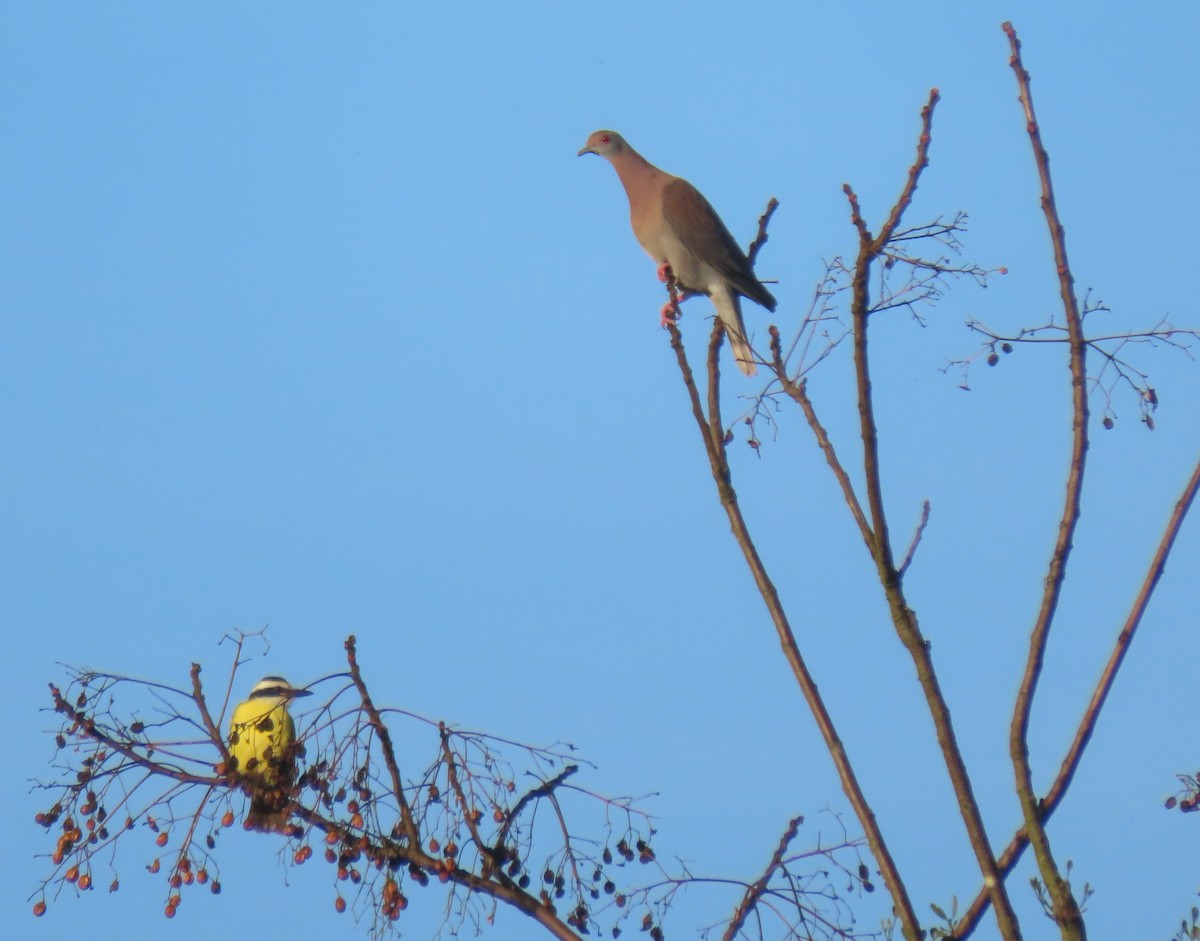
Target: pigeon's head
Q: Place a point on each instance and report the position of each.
(605, 143)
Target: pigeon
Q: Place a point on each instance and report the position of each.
(681, 231)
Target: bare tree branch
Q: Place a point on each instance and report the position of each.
(202, 706)
(761, 238)
(1065, 908)
(385, 742)
(799, 393)
(755, 891)
(476, 833)
(1116, 368)
(903, 617)
(916, 539)
(1066, 773)
(714, 445)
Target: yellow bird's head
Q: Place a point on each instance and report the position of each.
(278, 689)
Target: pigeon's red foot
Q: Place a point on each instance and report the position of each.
(664, 272)
(669, 314)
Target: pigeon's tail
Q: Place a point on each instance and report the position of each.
(729, 309)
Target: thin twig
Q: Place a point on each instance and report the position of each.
(914, 174)
(916, 539)
(205, 716)
(755, 890)
(385, 744)
(460, 796)
(545, 789)
(799, 393)
(761, 238)
(503, 891)
(87, 725)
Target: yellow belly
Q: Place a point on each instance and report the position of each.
(260, 738)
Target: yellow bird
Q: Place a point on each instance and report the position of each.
(262, 751)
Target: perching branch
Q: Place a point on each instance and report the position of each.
(120, 777)
(713, 437)
(473, 829)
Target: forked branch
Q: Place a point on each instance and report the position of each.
(713, 437)
(1066, 772)
(870, 248)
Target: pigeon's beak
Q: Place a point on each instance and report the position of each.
(585, 150)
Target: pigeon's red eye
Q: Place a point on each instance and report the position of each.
(604, 138)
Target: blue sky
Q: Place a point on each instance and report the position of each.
(313, 319)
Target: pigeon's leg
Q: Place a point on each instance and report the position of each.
(670, 312)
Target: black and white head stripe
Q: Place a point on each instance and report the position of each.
(276, 686)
